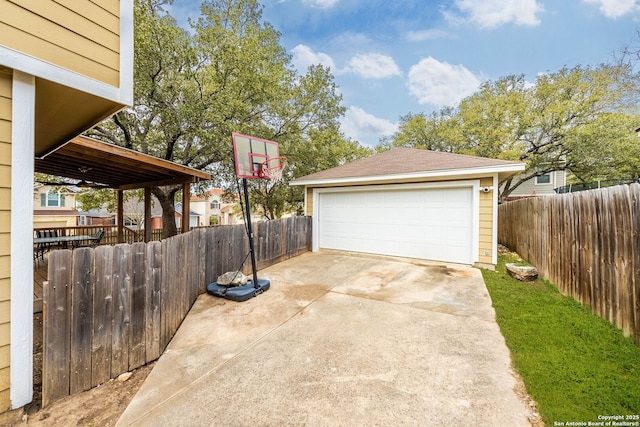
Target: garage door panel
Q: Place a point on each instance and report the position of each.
(420, 223)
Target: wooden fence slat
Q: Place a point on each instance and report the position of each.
(210, 255)
(165, 315)
(81, 320)
(201, 283)
(121, 309)
(153, 302)
(102, 316)
(137, 345)
(56, 312)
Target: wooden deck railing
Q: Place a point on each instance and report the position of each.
(110, 236)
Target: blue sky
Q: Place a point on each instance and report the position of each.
(393, 57)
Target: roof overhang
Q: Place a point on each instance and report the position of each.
(503, 172)
(112, 166)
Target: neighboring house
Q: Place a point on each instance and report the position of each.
(213, 210)
(539, 186)
(194, 217)
(410, 203)
(54, 207)
(96, 217)
(64, 67)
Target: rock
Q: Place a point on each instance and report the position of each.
(522, 272)
(232, 278)
(124, 377)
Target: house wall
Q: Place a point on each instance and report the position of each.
(5, 238)
(530, 188)
(69, 200)
(309, 201)
(487, 203)
(79, 35)
(54, 221)
(486, 243)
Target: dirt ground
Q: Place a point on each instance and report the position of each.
(100, 406)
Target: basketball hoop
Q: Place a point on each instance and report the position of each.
(273, 168)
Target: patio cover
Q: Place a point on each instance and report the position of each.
(113, 166)
(119, 168)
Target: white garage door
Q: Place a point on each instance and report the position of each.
(431, 223)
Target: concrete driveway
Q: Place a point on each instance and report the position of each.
(339, 339)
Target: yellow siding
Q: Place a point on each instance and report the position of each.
(5, 237)
(4, 356)
(309, 207)
(485, 245)
(79, 35)
(5, 311)
(5, 290)
(4, 378)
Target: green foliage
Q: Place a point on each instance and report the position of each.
(580, 119)
(97, 199)
(229, 74)
(574, 364)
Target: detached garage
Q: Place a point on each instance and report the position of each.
(409, 203)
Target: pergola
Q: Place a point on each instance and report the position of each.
(115, 167)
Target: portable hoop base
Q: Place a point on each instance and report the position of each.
(238, 293)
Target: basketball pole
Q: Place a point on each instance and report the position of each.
(250, 232)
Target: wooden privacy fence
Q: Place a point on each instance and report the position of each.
(112, 309)
(587, 244)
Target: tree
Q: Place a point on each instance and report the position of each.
(579, 120)
(192, 90)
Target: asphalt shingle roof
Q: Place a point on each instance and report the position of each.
(403, 161)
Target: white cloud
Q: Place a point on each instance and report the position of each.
(322, 4)
(418, 36)
(440, 83)
(493, 13)
(615, 8)
(365, 127)
(303, 57)
(373, 66)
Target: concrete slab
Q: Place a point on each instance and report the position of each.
(339, 339)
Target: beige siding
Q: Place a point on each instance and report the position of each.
(530, 188)
(79, 35)
(486, 223)
(309, 206)
(5, 213)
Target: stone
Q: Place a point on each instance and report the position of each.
(124, 377)
(232, 278)
(522, 272)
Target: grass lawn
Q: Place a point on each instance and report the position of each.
(575, 365)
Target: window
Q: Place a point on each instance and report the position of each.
(82, 220)
(543, 179)
(130, 222)
(215, 204)
(52, 198)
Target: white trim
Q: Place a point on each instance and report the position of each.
(126, 52)
(305, 200)
(462, 173)
(494, 226)
(37, 67)
(551, 176)
(22, 168)
(473, 184)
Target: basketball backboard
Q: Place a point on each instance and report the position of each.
(250, 153)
